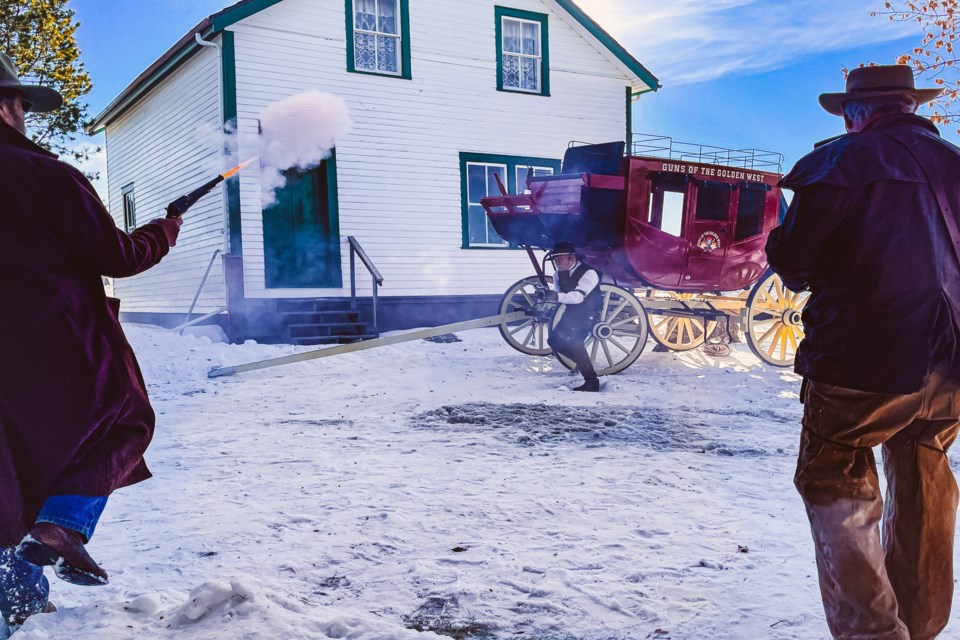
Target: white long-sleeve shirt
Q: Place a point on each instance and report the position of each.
(588, 282)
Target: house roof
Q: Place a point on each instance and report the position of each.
(188, 45)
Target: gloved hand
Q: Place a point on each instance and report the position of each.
(549, 295)
(170, 227)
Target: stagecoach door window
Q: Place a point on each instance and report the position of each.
(713, 201)
(750, 212)
(481, 183)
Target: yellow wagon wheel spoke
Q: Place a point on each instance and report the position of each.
(677, 333)
(773, 316)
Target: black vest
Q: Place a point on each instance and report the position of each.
(589, 309)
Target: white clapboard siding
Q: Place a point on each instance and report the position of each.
(399, 169)
(167, 145)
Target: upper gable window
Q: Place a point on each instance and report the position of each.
(378, 39)
(522, 51)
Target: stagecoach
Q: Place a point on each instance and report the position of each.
(678, 232)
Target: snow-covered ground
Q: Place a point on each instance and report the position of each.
(459, 487)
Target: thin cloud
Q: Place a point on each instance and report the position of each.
(685, 41)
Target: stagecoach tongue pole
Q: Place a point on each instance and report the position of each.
(480, 323)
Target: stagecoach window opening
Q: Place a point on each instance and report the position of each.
(668, 202)
(129, 209)
(481, 183)
(376, 36)
(666, 209)
(521, 54)
(750, 211)
(713, 201)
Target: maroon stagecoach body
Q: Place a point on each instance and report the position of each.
(658, 223)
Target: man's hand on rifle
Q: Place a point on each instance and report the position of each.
(170, 227)
(545, 294)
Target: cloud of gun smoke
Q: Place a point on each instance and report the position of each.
(298, 133)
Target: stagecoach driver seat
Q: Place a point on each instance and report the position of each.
(576, 285)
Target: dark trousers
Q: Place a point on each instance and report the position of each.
(567, 339)
(900, 588)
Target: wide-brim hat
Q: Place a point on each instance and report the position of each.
(875, 82)
(562, 249)
(41, 98)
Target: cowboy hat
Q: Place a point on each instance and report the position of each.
(40, 98)
(562, 249)
(876, 81)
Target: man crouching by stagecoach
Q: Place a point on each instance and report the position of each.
(576, 285)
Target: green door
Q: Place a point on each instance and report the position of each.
(300, 231)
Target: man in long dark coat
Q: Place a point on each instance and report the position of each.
(872, 232)
(74, 415)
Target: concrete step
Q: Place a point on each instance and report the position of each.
(321, 317)
(327, 329)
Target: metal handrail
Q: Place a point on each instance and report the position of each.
(669, 149)
(376, 278)
(203, 281)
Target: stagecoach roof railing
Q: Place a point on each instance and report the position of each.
(670, 149)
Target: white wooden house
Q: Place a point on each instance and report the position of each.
(443, 93)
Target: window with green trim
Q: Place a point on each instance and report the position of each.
(378, 37)
(522, 51)
(479, 173)
(129, 208)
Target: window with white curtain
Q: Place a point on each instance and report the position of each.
(377, 41)
(523, 51)
(522, 59)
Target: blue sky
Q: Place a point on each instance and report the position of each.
(735, 73)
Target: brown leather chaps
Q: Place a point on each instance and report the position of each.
(902, 588)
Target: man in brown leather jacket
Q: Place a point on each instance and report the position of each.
(871, 232)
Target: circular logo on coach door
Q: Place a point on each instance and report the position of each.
(708, 241)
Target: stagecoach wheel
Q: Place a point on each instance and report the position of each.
(677, 333)
(774, 328)
(528, 335)
(618, 337)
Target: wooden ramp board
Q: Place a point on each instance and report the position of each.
(480, 323)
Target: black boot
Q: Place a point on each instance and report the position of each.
(589, 384)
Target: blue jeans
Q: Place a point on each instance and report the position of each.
(23, 587)
(77, 513)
